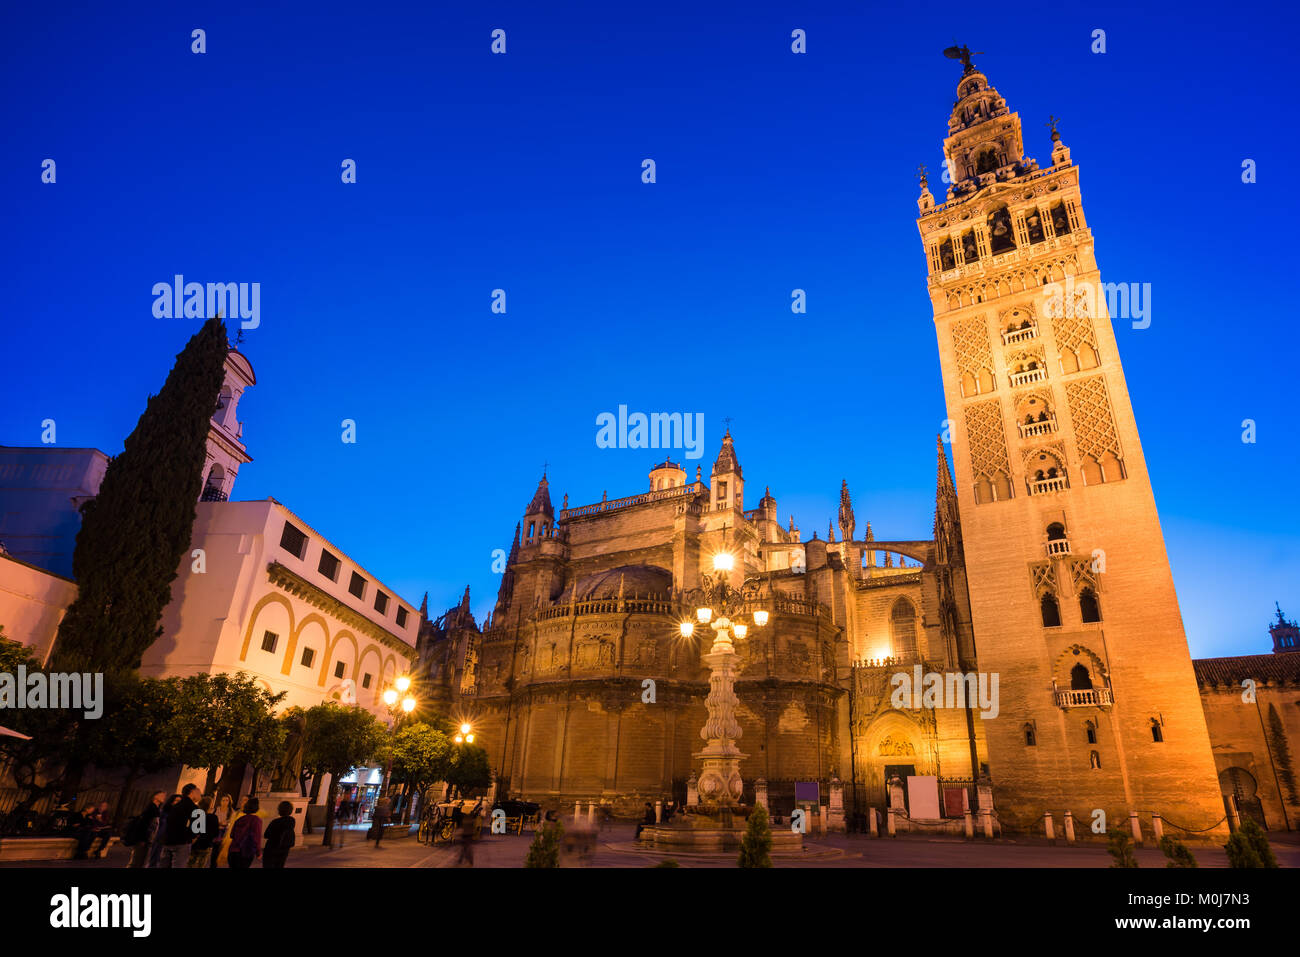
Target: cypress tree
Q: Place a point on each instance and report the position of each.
(1281, 752)
(756, 845)
(135, 531)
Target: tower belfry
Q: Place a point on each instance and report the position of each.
(1072, 599)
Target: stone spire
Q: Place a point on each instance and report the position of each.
(830, 530)
(944, 482)
(424, 606)
(541, 503)
(847, 521)
(727, 461)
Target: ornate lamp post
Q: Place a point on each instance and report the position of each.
(391, 698)
(722, 608)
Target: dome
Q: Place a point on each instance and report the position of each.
(640, 580)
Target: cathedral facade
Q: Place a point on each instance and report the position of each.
(1046, 572)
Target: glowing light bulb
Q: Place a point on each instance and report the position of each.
(403, 683)
(408, 705)
(760, 618)
(688, 629)
(704, 615)
(740, 630)
(724, 562)
(390, 697)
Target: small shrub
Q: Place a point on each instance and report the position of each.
(756, 845)
(1120, 847)
(1177, 852)
(668, 862)
(545, 849)
(1249, 847)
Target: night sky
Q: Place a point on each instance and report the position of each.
(522, 172)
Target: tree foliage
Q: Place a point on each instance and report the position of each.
(339, 738)
(468, 768)
(134, 532)
(756, 845)
(545, 849)
(1120, 847)
(421, 755)
(1177, 852)
(1249, 847)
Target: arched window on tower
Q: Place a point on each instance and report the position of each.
(1051, 611)
(1157, 733)
(987, 161)
(1034, 226)
(1000, 235)
(532, 530)
(902, 630)
(1031, 738)
(1089, 608)
(1060, 220)
(1080, 678)
(1090, 730)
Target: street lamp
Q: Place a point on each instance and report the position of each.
(391, 697)
(728, 611)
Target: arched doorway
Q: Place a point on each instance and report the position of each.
(1238, 786)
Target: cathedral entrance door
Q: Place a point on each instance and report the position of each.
(1238, 785)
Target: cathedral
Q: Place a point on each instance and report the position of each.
(1045, 575)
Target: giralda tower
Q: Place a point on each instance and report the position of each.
(1072, 600)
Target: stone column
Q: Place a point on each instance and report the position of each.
(1234, 819)
(1069, 827)
(591, 813)
(871, 822)
(835, 811)
(760, 794)
(1050, 828)
(577, 811)
(692, 791)
(1136, 826)
(970, 824)
(659, 811)
(1158, 826)
(892, 830)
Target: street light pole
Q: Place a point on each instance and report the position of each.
(391, 696)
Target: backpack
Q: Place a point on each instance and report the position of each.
(135, 831)
(243, 838)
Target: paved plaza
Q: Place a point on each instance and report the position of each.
(615, 846)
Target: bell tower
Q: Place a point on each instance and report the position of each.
(226, 451)
(1072, 599)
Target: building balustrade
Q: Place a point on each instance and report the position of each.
(1044, 486)
(1058, 546)
(1013, 336)
(1029, 430)
(658, 495)
(1028, 376)
(1084, 698)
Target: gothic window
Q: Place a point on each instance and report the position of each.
(1157, 735)
(1000, 236)
(1051, 611)
(1090, 730)
(1080, 679)
(1031, 738)
(902, 630)
(1089, 609)
(1034, 226)
(532, 529)
(1060, 220)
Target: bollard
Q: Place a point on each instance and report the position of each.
(871, 822)
(1158, 826)
(591, 813)
(970, 825)
(987, 815)
(1234, 819)
(577, 811)
(1051, 829)
(1136, 825)
(1069, 827)
(892, 831)
(659, 811)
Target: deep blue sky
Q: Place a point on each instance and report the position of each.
(522, 171)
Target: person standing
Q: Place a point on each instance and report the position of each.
(96, 826)
(279, 837)
(180, 829)
(225, 815)
(383, 811)
(155, 851)
(208, 838)
(471, 823)
(246, 836)
(141, 830)
(647, 819)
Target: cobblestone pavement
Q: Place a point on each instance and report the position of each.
(615, 847)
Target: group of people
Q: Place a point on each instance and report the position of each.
(191, 829)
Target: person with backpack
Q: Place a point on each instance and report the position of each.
(141, 830)
(246, 836)
(279, 836)
(179, 831)
(210, 835)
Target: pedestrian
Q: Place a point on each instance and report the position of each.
(647, 819)
(208, 838)
(225, 814)
(279, 836)
(470, 825)
(141, 829)
(246, 836)
(179, 831)
(155, 852)
(96, 826)
(383, 811)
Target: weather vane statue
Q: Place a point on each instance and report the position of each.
(964, 54)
